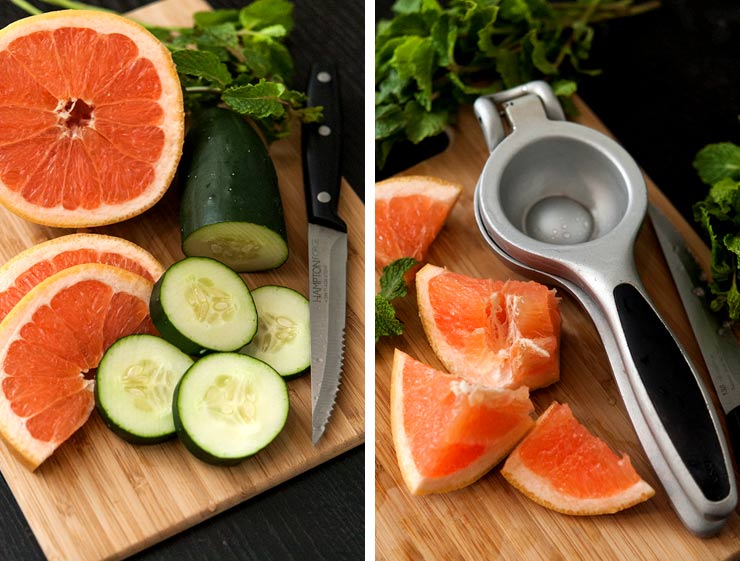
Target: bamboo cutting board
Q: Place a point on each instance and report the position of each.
(98, 497)
(490, 519)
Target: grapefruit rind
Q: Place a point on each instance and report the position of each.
(443, 192)
(544, 491)
(419, 484)
(48, 250)
(173, 121)
(31, 451)
(492, 367)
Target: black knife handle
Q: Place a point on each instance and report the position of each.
(321, 147)
(733, 431)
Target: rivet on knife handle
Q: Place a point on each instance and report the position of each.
(321, 163)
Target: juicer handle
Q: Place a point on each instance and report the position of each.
(672, 398)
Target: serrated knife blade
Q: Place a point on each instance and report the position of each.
(327, 245)
(718, 345)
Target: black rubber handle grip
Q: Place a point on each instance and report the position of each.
(321, 149)
(733, 431)
(674, 391)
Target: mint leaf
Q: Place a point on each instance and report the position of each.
(265, 13)
(413, 59)
(565, 88)
(208, 19)
(389, 119)
(202, 64)
(718, 161)
(421, 124)
(386, 322)
(259, 101)
(392, 286)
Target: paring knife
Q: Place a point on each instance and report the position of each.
(327, 245)
(718, 344)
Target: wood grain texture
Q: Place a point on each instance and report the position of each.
(101, 498)
(490, 519)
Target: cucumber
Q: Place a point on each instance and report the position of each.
(230, 208)
(199, 304)
(229, 406)
(134, 385)
(283, 338)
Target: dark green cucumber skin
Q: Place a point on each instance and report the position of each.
(229, 176)
(168, 331)
(197, 450)
(123, 433)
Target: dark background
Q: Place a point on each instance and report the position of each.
(670, 85)
(320, 514)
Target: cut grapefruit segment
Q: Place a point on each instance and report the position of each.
(48, 342)
(409, 214)
(496, 333)
(448, 432)
(30, 267)
(564, 467)
(92, 118)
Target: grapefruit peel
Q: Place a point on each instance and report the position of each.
(170, 122)
(585, 477)
(13, 428)
(448, 407)
(484, 340)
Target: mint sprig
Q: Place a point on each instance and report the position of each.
(718, 165)
(430, 58)
(392, 286)
(235, 58)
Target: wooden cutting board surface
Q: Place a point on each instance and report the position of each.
(490, 519)
(98, 497)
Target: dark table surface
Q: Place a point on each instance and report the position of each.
(320, 514)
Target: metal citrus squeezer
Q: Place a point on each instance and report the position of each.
(564, 203)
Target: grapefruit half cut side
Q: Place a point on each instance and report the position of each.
(92, 118)
(24, 271)
(410, 211)
(48, 342)
(448, 432)
(497, 333)
(564, 467)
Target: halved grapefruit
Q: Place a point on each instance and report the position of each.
(409, 214)
(91, 118)
(30, 267)
(497, 333)
(448, 432)
(564, 467)
(50, 339)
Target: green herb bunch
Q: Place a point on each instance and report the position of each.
(718, 214)
(233, 57)
(392, 287)
(431, 59)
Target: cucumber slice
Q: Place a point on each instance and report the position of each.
(134, 386)
(229, 406)
(200, 304)
(283, 338)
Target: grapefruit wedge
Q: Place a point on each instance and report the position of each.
(48, 342)
(19, 275)
(497, 333)
(448, 432)
(92, 118)
(409, 214)
(564, 467)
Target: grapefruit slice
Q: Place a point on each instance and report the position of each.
(497, 333)
(30, 267)
(564, 467)
(50, 339)
(92, 118)
(448, 432)
(409, 213)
